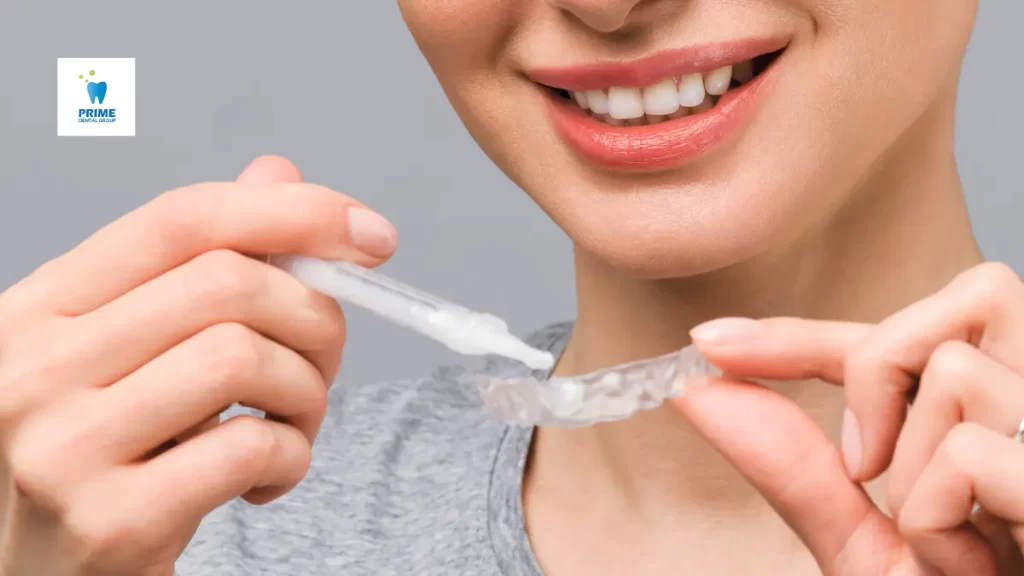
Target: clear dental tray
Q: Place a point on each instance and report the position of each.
(609, 394)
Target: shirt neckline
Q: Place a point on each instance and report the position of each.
(506, 519)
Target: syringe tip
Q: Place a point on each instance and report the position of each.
(533, 358)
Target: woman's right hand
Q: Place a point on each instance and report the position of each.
(117, 358)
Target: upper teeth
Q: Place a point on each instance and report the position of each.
(666, 98)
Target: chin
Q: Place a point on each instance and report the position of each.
(665, 233)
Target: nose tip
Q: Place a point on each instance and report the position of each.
(601, 15)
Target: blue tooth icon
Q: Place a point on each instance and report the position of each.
(97, 91)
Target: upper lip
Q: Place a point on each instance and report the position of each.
(652, 69)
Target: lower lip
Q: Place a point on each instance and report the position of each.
(661, 146)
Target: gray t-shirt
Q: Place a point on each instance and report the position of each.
(413, 477)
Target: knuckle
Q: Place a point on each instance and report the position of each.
(992, 282)
(34, 474)
(100, 540)
(180, 204)
(319, 209)
(24, 385)
(784, 325)
(910, 526)
(231, 353)
(785, 328)
(962, 446)
(255, 443)
(860, 359)
(319, 399)
(336, 323)
(177, 212)
(870, 356)
(951, 367)
(220, 277)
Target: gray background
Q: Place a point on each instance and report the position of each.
(340, 88)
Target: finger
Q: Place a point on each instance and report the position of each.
(259, 460)
(779, 348)
(983, 307)
(180, 225)
(217, 287)
(276, 169)
(269, 170)
(959, 384)
(787, 457)
(142, 507)
(972, 463)
(189, 385)
(224, 365)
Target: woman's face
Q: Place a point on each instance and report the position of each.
(644, 176)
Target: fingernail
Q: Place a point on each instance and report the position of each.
(371, 233)
(852, 451)
(727, 331)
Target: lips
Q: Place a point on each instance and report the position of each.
(647, 71)
(97, 91)
(656, 142)
(658, 147)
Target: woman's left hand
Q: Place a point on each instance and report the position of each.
(958, 355)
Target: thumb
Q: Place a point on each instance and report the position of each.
(270, 170)
(782, 451)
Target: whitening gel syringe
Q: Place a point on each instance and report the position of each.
(462, 330)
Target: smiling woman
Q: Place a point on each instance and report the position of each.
(772, 181)
(775, 159)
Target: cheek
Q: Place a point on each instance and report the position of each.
(464, 42)
(891, 46)
(873, 69)
(459, 36)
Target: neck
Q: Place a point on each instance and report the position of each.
(904, 235)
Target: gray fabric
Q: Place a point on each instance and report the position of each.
(410, 477)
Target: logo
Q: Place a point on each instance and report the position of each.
(95, 96)
(97, 93)
(97, 90)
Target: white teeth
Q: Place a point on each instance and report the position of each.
(662, 98)
(743, 72)
(691, 90)
(666, 100)
(598, 101)
(717, 82)
(625, 103)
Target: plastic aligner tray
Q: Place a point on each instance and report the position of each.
(609, 394)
